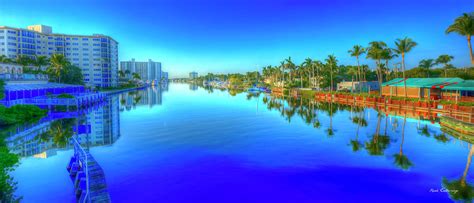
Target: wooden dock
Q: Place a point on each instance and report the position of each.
(87, 176)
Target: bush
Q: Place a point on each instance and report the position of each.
(20, 114)
(2, 89)
(65, 96)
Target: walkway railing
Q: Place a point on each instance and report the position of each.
(87, 176)
(82, 159)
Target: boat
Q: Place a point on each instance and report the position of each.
(253, 89)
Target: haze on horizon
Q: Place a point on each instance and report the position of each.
(244, 35)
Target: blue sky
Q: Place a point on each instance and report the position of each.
(238, 35)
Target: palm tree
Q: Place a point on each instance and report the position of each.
(464, 25)
(41, 61)
(331, 62)
(427, 64)
(291, 67)
(377, 51)
(353, 71)
(444, 59)
(317, 67)
(283, 67)
(58, 64)
(121, 73)
(136, 76)
(127, 73)
(404, 46)
(357, 51)
(387, 55)
(23, 61)
(2, 58)
(309, 66)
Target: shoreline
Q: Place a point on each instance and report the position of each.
(112, 92)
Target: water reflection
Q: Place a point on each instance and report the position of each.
(380, 140)
(96, 126)
(460, 189)
(151, 96)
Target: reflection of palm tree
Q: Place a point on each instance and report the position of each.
(460, 189)
(402, 160)
(441, 138)
(425, 131)
(61, 131)
(136, 99)
(356, 145)
(379, 143)
(330, 130)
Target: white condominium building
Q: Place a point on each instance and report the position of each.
(149, 71)
(96, 55)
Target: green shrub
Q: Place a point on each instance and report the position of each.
(20, 114)
(65, 96)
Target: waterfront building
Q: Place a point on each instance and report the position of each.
(10, 68)
(433, 88)
(193, 75)
(363, 86)
(96, 55)
(148, 71)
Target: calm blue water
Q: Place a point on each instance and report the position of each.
(186, 145)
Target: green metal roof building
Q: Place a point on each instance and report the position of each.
(429, 87)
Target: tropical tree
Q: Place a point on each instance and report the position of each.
(41, 61)
(403, 46)
(357, 51)
(136, 76)
(127, 73)
(444, 59)
(290, 66)
(353, 71)
(377, 51)
(57, 65)
(121, 73)
(2, 58)
(308, 65)
(23, 61)
(331, 63)
(427, 64)
(316, 69)
(464, 25)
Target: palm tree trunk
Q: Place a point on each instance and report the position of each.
(379, 74)
(301, 80)
(404, 78)
(470, 51)
(330, 89)
(359, 72)
(352, 84)
(445, 70)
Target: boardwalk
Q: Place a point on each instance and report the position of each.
(87, 176)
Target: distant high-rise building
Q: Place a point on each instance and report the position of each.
(193, 75)
(148, 71)
(164, 76)
(96, 55)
